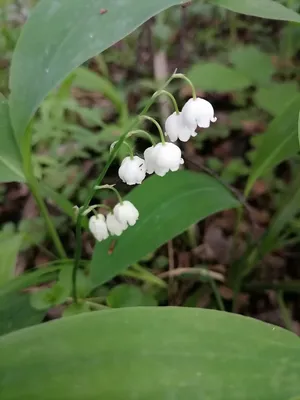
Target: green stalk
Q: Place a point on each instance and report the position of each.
(34, 188)
(78, 249)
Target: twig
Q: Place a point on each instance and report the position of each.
(193, 271)
(171, 269)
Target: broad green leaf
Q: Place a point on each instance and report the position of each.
(167, 207)
(253, 63)
(259, 8)
(10, 158)
(59, 36)
(274, 98)
(75, 309)
(279, 142)
(9, 248)
(212, 76)
(46, 298)
(129, 296)
(151, 353)
(17, 313)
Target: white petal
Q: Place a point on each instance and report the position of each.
(126, 213)
(98, 227)
(168, 158)
(132, 171)
(176, 129)
(199, 112)
(114, 226)
(150, 159)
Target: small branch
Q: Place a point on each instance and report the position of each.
(193, 271)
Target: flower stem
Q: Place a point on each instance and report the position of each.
(162, 136)
(92, 208)
(182, 76)
(159, 92)
(131, 154)
(141, 131)
(34, 188)
(111, 187)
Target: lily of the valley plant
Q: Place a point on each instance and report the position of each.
(160, 158)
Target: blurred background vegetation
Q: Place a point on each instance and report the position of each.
(248, 68)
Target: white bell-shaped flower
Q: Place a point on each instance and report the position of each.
(176, 129)
(150, 159)
(126, 213)
(114, 226)
(198, 112)
(167, 158)
(98, 227)
(132, 170)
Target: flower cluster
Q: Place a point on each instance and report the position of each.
(160, 158)
(165, 156)
(123, 215)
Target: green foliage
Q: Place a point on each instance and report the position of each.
(256, 65)
(16, 312)
(213, 76)
(42, 61)
(10, 159)
(279, 142)
(9, 247)
(186, 352)
(129, 296)
(260, 8)
(276, 96)
(178, 200)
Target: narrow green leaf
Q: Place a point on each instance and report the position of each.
(151, 353)
(167, 207)
(279, 142)
(61, 35)
(213, 76)
(9, 248)
(10, 159)
(259, 8)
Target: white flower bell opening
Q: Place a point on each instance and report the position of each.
(150, 159)
(114, 226)
(176, 129)
(198, 112)
(167, 158)
(132, 170)
(98, 227)
(126, 213)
